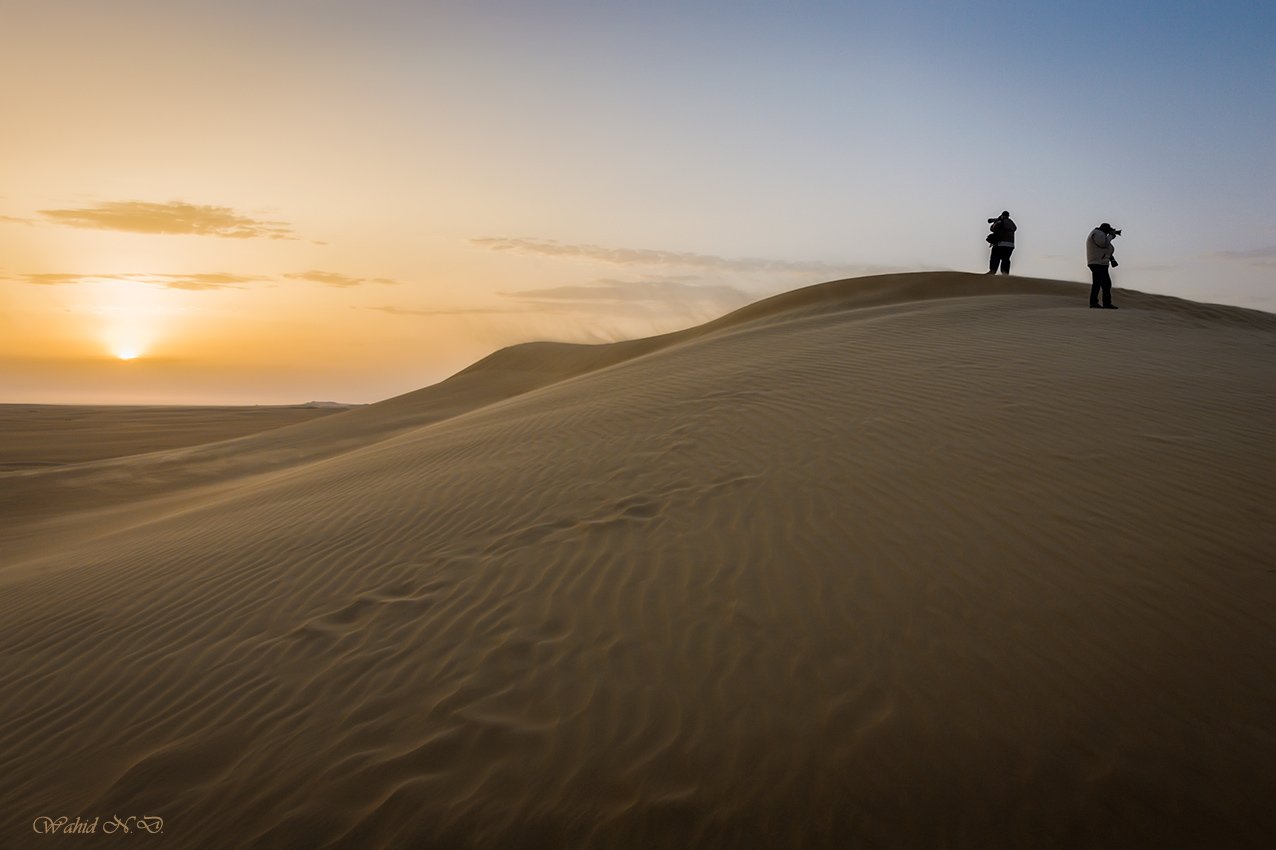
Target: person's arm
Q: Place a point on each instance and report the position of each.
(1108, 248)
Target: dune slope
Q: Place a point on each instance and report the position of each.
(914, 561)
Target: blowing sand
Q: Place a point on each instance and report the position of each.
(931, 560)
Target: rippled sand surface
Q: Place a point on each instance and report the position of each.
(928, 560)
(34, 435)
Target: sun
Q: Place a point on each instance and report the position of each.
(128, 350)
(127, 341)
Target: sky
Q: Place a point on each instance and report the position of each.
(277, 201)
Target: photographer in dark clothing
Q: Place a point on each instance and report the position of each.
(1002, 240)
(1098, 256)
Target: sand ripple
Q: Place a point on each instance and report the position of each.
(920, 561)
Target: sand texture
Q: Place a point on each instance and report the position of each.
(931, 560)
(49, 434)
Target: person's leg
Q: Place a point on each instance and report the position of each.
(1106, 280)
(997, 259)
(1005, 259)
(1097, 284)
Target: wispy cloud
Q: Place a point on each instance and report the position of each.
(651, 297)
(445, 311)
(199, 281)
(337, 279)
(195, 282)
(175, 217)
(54, 279)
(669, 259)
(1261, 257)
(190, 282)
(664, 291)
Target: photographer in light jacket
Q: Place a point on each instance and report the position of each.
(1098, 256)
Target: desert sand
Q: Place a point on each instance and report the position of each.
(928, 560)
(51, 434)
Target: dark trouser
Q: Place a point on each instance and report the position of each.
(1000, 255)
(1102, 281)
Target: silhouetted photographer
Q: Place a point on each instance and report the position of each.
(1002, 240)
(1098, 256)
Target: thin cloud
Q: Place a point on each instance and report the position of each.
(195, 282)
(175, 217)
(458, 311)
(189, 282)
(668, 259)
(53, 279)
(1261, 257)
(652, 297)
(336, 279)
(667, 291)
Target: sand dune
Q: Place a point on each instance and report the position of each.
(931, 560)
(34, 435)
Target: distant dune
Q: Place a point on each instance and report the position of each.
(928, 560)
(50, 434)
